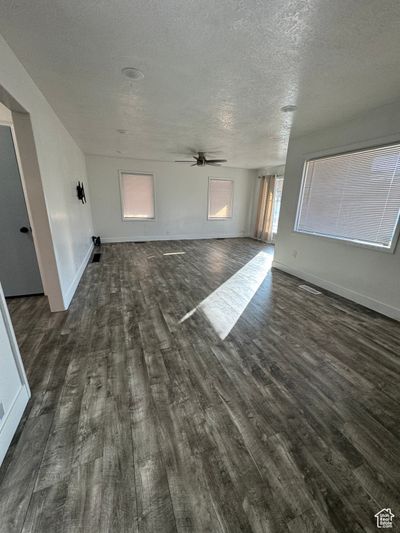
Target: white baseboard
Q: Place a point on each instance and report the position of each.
(194, 236)
(362, 299)
(75, 282)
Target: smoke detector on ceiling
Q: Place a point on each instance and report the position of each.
(132, 73)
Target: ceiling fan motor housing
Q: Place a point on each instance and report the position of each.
(202, 161)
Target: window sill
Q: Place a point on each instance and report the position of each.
(137, 219)
(367, 246)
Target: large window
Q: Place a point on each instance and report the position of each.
(353, 197)
(137, 196)
(220, 198)
(276, 207)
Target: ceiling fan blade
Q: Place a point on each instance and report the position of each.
(217, 160)
(182, 161)
(194, 165)
(213, 164)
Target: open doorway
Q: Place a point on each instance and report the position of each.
(19, 269)
(35, 240)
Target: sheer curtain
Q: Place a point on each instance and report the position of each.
(265, 209)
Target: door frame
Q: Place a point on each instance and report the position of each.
(5, 315)
(14, 414)
(35, 199)
(22, 180)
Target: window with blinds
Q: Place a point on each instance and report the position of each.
(137, 196)
(220, 198)
(353, 196)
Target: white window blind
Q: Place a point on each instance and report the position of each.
(220, 198)
(353, 196)
(137, 192)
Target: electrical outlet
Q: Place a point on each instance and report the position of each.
(1, 411)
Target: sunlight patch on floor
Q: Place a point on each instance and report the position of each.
(225, 305)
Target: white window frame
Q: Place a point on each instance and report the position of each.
(137, 219)
(213, 219)
(332, 153)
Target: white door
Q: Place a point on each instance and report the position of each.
(19, 271)
(14, 390)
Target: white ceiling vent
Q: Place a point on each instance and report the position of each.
(309, 289)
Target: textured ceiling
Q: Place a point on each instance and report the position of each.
(217, 72)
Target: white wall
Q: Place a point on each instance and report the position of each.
(181, 201)
(5, 114)
(272, 171)
(61, 165)
(369, 277)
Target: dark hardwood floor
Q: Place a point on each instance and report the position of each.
(150, 414)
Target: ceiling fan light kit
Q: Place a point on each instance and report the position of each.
(202, 161)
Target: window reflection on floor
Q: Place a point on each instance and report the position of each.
(225, 305)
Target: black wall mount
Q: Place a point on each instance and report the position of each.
(80, 191)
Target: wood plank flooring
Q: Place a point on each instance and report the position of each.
(143, 422)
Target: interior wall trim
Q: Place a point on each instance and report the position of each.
(14, 414)
(69, 294)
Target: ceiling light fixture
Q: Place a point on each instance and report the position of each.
(288, 108)
(132, 73)
(123, 132)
